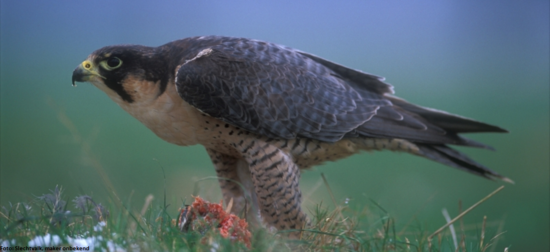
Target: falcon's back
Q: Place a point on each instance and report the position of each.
(263, 111)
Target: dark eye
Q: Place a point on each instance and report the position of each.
(113, 62)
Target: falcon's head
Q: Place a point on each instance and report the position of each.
(127, 73)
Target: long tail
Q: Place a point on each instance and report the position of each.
(445, 155)
(452, 125)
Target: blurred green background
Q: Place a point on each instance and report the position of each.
(487, 60)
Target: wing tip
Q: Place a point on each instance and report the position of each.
(507, 180)
(448, 156)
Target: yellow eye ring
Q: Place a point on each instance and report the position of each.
(111, 63)
(87, 65)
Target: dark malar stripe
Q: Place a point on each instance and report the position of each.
(116, 86)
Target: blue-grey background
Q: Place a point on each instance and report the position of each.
(487, 60)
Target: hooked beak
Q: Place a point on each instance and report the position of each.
(79, 75)
(84, 72)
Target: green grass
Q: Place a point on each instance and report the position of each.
(110, 224)
(344, 228)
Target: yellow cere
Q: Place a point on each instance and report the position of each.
(89, 67)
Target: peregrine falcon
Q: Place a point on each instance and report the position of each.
(264, 111)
